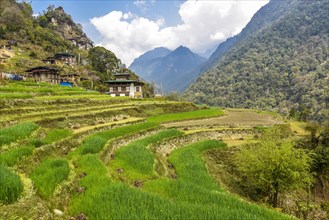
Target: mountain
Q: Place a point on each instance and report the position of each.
(144, 64)
(280, 61)
(208, 52)
(263, 17)
(171, 70)
(61, 22)
(267, 14)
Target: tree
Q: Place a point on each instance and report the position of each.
(103, 61)
(174, 96)
(317, 141)
(273, 167)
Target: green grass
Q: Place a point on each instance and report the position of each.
(48, 175)
(52, 135)
(96, 142)
(194, 186)
(136, 160)
(78, 96)
(204, 113)
(184, 198)
(11, 157)
(11, 186)
(16, 90)
(15, 95)
(16, 132)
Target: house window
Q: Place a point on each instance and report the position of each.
(123, 89)
(119, 89)
(127, 88)
(137, 89)
(111, 89)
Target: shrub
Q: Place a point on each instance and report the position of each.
(11, 186)
(273, 168)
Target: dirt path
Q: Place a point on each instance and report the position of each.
(232, 117)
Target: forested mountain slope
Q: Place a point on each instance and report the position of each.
(269, 13)
(283, 66)
(272, 11)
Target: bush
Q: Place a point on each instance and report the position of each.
(273, 167)
(11, 186)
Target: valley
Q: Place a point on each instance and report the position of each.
(243, 134)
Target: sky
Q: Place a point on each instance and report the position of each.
(130, 28)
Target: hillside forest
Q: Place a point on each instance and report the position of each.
(282, 65)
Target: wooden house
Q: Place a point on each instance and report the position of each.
(66, 58)
(123, 86)
(44, 74)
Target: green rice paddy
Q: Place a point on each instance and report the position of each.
(48, 175)
(76, 151)
(11, 185)
(16, 132)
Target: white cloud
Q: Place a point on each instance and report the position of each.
(204, 25)
(143, 3)
(140, 3)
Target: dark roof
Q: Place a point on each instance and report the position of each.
(121, 74)
(42, 69)
(63, 55)
(123, 81)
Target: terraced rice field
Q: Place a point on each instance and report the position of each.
(87, 155)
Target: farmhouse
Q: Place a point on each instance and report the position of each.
(44, 74)
(123, 86)
(66, 58)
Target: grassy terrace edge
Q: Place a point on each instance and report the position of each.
(198, 114)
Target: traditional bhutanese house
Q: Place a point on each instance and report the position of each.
(71, 78)
(65, 57)
(44, 74)
(123, 86)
